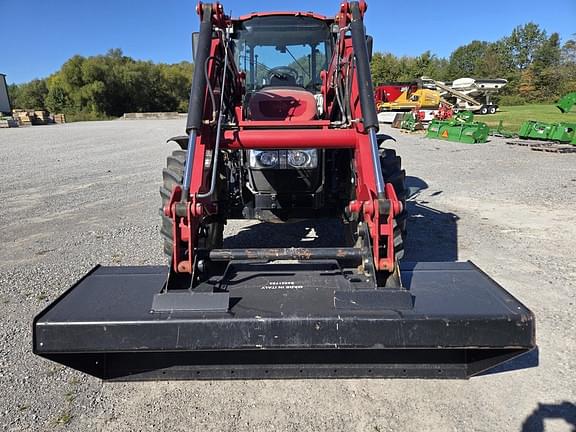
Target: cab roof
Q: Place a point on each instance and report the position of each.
(298, 14)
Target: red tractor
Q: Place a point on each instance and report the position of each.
(282, 126)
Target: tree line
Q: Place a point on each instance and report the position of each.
(106, 86)
(538, 67)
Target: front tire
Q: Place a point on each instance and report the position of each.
(393, 173)
(211, 235)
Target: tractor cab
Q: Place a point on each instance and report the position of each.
(282, 56)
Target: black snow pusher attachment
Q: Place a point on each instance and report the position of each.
(287, 321)
(282, 128)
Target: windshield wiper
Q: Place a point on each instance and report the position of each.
(296, 61)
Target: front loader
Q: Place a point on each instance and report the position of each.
(282, 127)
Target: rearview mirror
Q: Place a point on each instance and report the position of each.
(195, 39)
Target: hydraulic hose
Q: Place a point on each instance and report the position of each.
(216, 153)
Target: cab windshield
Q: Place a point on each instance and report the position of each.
(282, 51)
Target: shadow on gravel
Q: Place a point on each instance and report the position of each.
(432, 234)
(310, 233)
(565, 411)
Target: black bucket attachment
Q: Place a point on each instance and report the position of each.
(304, 320)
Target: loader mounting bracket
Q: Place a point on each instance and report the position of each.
(179, 295)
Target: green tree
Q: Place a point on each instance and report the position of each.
(568, 67)
(546, 69)
(31, 95)
(57, 99)
(548, 53)
(385, 68)
(569, 51)
(13, 94)
(495, 62)
(524, 43)
(465, 61)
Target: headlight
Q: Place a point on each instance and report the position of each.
(283, 159)
(297, 158)
(268, 159)
(263, 159)
(303, 158)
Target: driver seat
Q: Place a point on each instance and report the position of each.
(283, 104)
(282, 81)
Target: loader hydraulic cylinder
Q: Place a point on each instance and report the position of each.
(198, 94)
(366, 90)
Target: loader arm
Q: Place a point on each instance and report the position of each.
(348, 92)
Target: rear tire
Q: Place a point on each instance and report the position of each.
(173, 175)
(393, 173)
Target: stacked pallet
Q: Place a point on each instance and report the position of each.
(7, 122)
(40, 117)
(24, 118)
(59, 118)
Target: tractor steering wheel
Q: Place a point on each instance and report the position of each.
(283, 73)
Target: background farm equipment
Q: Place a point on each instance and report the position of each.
(567, 102)
(400, 98)
(501, 132)
(550, 137)
(470, 94)
(461, 128)
(563, 133)
(413, 95)
(410, 121)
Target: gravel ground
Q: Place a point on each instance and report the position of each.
(79, 194)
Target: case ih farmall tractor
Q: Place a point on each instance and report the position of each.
(282, 126)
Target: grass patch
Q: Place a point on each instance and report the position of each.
(69, 396)
(54, 370)
(514, 116)
(64, 418)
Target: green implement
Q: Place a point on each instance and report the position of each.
(462, 128)
(501, 132)
(567, 102)
(411, 123)
(557, 132)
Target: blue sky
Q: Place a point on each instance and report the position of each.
(38, 38)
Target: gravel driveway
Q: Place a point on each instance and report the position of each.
(80, 194)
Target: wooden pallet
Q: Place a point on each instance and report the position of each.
(59, 118)
(545, 146)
